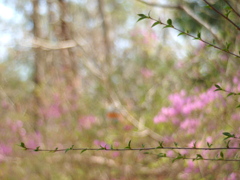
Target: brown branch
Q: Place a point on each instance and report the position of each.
(188, 11)
(232, 8)
(186, 33)
(225, 17)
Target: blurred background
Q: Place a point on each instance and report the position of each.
(85, 73)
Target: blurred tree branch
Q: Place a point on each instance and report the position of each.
(49, 45)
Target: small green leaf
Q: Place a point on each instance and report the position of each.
(68, 149)
(199, 35)
(182, 33)
(198, 157)
(227, 8)
(228, 143)
(231, 93)
(54, 150)
(221, 155)
(209, 145)
(176, 144)
(141, 18)
(169, 22)
(160, 145)
(156, 23)
(238, 106)
(83, 151)
(167, 26)
(228, 135)
(37, 149)
(218, 88)
(227, 46)
(102, 148)
(227, 14)
(178, 157)
(146, 153)
(208, 7)
(142, 15)
(23, 146)
(129, 145)
(162, 155)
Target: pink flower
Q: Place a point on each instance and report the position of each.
(34, 140)
(159, 118)
(5, 104)
(209, 139)
(191, 168)
(190, 125)
(191, 144)
(170, 153)
(232, 176)
(101, 144)
(128, 127)
(5, 150)
(147, 73)
(115, 154)
(53, 111)
(87, 121)
(168, 111)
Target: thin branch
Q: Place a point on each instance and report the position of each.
(187, 11)
(186, 33)
(138, 149)
(225, 17)
(160, 155)
(125, 113)
(232, 8)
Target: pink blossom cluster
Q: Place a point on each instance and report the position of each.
(53, 110)
(86, 122)
(146, 73)
(183, 105)
(102, 144)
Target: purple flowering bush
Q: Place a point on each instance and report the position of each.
(159, 93)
